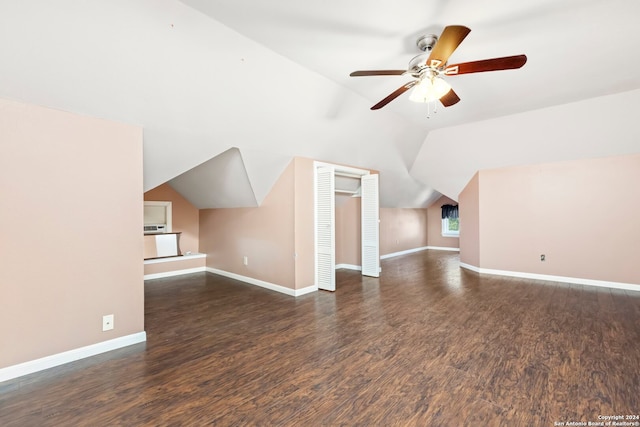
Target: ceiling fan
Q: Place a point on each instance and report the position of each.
(429, 67)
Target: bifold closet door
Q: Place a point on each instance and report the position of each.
(370, 226)
(325, 229)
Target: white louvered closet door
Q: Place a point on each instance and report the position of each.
(325, 229)
(370, 226)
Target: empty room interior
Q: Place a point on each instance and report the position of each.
(226, 212)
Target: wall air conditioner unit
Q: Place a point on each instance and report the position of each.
(157, 217)
(155, 228)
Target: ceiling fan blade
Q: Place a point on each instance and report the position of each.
(449, 98)
(378, 73)
(495, 64)
(448, 41)
(394, 95)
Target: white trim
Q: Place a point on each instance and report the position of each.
(342, 170)
(563, 279)
(422, 248)
(304, 291)
(174, 273)
(408, 251)
(350, 175)
(174, 258)
(442, 248)
(349, 267)
(263, 284)
(47, 362)
(470, 267)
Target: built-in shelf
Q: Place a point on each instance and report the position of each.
(174, 258)
(173, 266)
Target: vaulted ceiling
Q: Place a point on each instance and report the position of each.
(228, 91)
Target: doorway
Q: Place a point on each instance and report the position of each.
(324, 211)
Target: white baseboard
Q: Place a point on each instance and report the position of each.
(562, 279)
(47, 362)
(408, 251)
(349, 267)
(422, 248)
(470, 267)
(443, 248)
(174, 273)
(304, 291)
(263, 284)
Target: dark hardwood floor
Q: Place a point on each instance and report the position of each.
(427, 344)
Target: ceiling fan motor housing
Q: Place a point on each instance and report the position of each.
(418, 64)
(426, 42)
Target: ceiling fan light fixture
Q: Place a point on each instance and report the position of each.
(430, 89)
(429, 67)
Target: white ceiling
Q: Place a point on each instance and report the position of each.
(272, 80)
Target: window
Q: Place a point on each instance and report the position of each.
(450, 221)
(451, 227)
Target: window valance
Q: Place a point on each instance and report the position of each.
(449, 211)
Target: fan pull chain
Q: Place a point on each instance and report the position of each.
(435, 108)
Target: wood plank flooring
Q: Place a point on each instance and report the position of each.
(427, 344)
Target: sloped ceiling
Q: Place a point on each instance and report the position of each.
(217, 183)
(598, 127)
(271, 79)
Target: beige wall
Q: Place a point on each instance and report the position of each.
(185, 216)
(175, 264)
(71, 245)
(304, 223)
(264, 234)
(348, 230)
(469, 211)
(434, 225)
(402, 229)
(581, 214)
(278, 236)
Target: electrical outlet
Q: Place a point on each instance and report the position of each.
(542, 257)
(245, 261)
(107, 322)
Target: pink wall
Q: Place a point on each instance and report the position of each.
(581, 214)
(348, 230)
(434, 225)
(185, 216)
(469, 211)
(278, 236)
(264, 234)
(180, 263)
(304, 223)
(71, 245)
(402, 229)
